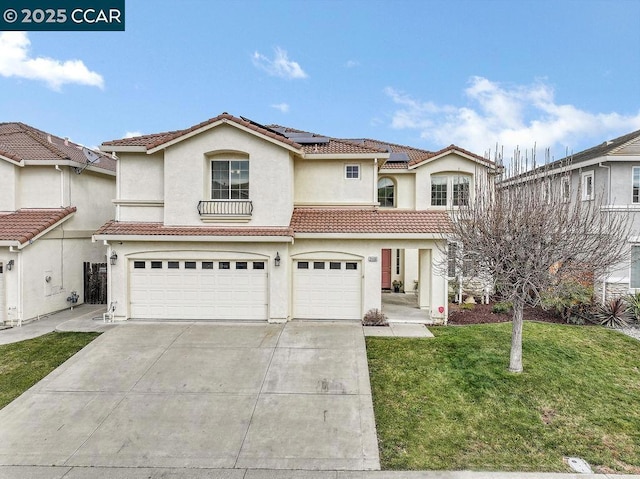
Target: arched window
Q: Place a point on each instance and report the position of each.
(386, 192)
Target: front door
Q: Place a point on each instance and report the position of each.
(386, 269)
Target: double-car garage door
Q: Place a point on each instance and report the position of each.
(181, 289)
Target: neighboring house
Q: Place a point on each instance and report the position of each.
(609, 175)
(230, 219)
(53, 197)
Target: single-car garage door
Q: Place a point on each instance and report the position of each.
(327, 290)
(181, 289)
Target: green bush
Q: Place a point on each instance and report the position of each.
(573, 303)
(467, 306)
(502, 307)
(633, 300)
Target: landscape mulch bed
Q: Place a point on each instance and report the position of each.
(483, 314)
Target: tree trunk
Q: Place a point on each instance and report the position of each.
(515, 359)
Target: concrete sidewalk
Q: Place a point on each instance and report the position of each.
(83, 318)
(55, 472)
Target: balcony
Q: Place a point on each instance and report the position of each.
(225, 210)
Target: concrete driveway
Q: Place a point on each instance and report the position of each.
(294, 396)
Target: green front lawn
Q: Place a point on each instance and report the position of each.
(450, 403)
(25, 363)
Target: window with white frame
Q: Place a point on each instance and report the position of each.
(386, 192)
(635, 195)
(352, 172)
(565, 188)
(229, 179)
(634, 281)
(460, 190)
(587, 186)
(450, 190)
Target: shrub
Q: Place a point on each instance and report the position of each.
(375, 317)
(467, 306)
(574, 303)
(501, 307)
(614, 313)
(633, 300)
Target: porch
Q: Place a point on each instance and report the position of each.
(403, 308)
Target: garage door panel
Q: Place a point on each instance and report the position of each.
(321, 292)
(203, 292)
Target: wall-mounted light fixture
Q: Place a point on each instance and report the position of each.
(276, 260)
(113, 258)
(10, 265)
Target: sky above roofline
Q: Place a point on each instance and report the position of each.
(481, 74)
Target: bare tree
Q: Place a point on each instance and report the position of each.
(527, 231)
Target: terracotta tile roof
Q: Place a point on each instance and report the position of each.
(335, 145)
(312, 220)
(158, 229)
(23, 142)
(479, 158)
(414, 154)
(25, 224)
(157, 139)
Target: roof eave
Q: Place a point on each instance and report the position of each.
(194, 238)
(123, 148)
(346, 156)
(219, 122)
(371, 235)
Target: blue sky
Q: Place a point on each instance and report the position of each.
(555, 73)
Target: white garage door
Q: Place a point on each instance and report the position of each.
(171, 289)
(327, 290)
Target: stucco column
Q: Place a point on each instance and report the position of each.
(424, 275)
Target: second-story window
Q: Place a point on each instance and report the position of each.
(450, 190)
(229, 180)
(587, 186)
(386, 192)
(635, 195)
(460, 190)
(352, 172)
(439, 190)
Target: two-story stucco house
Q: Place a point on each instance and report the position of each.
(230, 219)
(54, 195)
(608, 177)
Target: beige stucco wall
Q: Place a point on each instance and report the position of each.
(187, 176)
(141, 178)
(40, 187)
(405, 188)
(8, 172)
(323, 182)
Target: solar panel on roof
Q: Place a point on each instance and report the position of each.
(398, 156)
(311, 140)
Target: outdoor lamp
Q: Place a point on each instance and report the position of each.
(277, 259)
(113, 258)
(10, 265)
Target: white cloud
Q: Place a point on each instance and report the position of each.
(509, 116)
(280, 66)
(283, 107)
(15, 61)
(132, 134)
(352, 64)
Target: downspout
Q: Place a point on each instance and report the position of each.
(608, 168)
(19, 284)
(375, 181)
(61, 186)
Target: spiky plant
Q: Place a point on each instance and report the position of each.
(614, 313)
